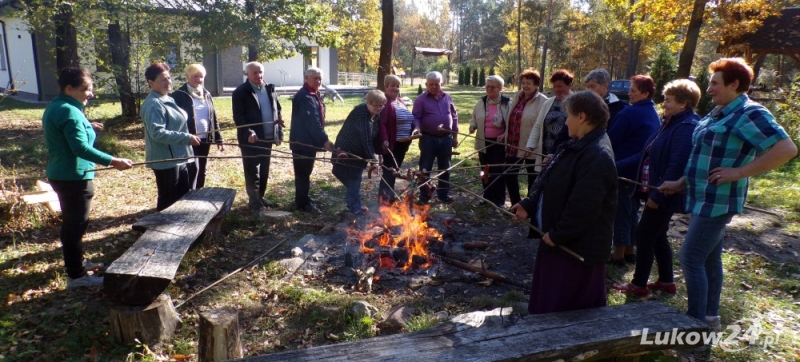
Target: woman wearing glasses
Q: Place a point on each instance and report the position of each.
(355, 144)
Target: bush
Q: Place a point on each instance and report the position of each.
(466, 76)
(787, 113)
(419, 89)
(475, 77)
(491, 71)
(460, 76)
(482, 78)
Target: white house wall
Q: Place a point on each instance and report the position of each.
(20, 54)
(293, 66)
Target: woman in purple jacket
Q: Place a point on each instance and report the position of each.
(663, 159)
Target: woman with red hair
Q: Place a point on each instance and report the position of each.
(738, 139)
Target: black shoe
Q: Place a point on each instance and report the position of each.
(619, 263)
(255, 208)
(630, 259)
(446, 200)
(310, 208)
(267, 203)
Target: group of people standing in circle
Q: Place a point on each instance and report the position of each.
(580, 151)
(588, 193)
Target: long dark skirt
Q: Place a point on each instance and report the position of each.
(562, 283)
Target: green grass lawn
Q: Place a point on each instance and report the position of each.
(40, 321)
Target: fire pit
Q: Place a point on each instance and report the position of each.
(399, 238)
(409, 247)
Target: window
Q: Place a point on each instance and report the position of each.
(166, 50)
(312, 60)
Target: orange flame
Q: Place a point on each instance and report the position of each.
(402, 227)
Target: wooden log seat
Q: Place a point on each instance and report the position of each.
(497, 335)
(145, 270)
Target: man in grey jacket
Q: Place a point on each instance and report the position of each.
(256, 106)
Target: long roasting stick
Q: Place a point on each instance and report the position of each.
(524, 222)
(482, 272)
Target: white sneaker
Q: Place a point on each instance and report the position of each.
(92, 266)
(89, 281)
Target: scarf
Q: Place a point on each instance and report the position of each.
(196, 93)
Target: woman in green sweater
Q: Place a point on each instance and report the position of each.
(166, 137)
(70, 138)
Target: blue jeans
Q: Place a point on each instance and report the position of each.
(353, 195)
(436, 148)
(701, 261)
(627, 215)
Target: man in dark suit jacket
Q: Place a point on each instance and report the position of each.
(255, 105)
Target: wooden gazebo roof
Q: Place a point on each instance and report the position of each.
(779, 35)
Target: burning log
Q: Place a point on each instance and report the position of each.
(483, 272)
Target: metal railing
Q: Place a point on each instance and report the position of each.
(284, 74)
(362, 79)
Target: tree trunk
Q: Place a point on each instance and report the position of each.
(387, 36)
(633, 52)
(119, 45)
(252, 50)
(546, 42)
(519, 41)
(150, 324)
(219, 335)
(66, 39)
(690, 44)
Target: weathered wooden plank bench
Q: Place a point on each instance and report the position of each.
(145, 270)
(589, 334)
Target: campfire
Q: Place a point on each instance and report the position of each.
(400, 238)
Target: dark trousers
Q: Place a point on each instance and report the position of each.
(303, 162)
(172, 183)
(512, 177)
(435, 148)
(494, 189)
(386, 190)
(627, 215)
(75, 198)
(651, 241)
(197, 169)
(256, 172)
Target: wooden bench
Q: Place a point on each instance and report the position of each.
(589, 334)
(145, 270)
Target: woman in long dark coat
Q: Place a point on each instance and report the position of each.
(355, 145)
(573, 201)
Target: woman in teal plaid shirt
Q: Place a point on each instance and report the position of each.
(737, 140)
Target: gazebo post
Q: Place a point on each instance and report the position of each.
(413, 57)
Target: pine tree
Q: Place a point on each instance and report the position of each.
(491, 71)
(482, 78)
(705, 105)
(663, 70)
(419, 89)
(460, 76)
(466, 76)
(475, 77)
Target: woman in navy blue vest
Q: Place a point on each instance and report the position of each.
(663, 159)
